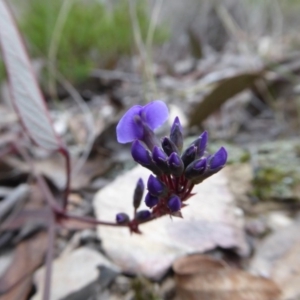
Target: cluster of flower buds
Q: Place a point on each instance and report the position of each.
(175, 171)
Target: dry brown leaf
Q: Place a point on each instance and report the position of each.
(200, 277)
(53, 167)
(20, 291)
(15, 283)
(223, 91)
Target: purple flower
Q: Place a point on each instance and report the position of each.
(196, 168)
(176, 134)
(201, 143)
(122, 218)
(130, 127)
(143, 215)
(218, 160)
(189, 155)
(174, 203)
(156, 187)
(160, 158)
(175, 164)
(151, 200)
(175, 171)
(140, 154)
(168, 146)
(138, 193)
(144, 157)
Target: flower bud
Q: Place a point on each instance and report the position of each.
(175, 164)
(214, 164)
(176, 134)
(196, 168)
(143, 215)
(201, 143)
(138, 193)
(151, 200)
(156, 187)
(160, 158)
(189, 155)
(148, 136)
(174, 203)
(143, 156)
(122, 218)
(168, 146)
(218, 160)
(140, 154)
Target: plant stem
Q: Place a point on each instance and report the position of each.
(66, 154)
(49, 259)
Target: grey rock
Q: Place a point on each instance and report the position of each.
(75, 276)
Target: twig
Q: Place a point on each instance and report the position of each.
(136, 30)
(49, 258)
(55, 40)
(115, 75)
(40, 180)
(16, 197)
(141, 46)
(88, 119)
(153, 24)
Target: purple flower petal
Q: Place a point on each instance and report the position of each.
(176, 134)
(200, 165)
(174, 203)
(156, 187)
(189, 155)
(201, 144)
(219, 159)
(151, 200)
(122, 218)
(168, 146)
(196, 169)
(127, 128)
(138, 193)
(175, 164)
(143, 215)
(140, 153)
(155, 114)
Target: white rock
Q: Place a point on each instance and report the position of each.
(209, 221)
(72, 273)
(278, 219)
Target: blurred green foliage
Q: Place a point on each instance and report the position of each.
(92, 36)
(274, 183)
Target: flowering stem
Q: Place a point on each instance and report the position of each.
(66, 154)
(177, 181)
(187, 193)
(90, 220)
(170, 182)
(49, 258)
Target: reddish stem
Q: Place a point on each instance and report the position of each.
(187, 193)
(90, 220)
(49, 259)
(170, 183)
(66, 154)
